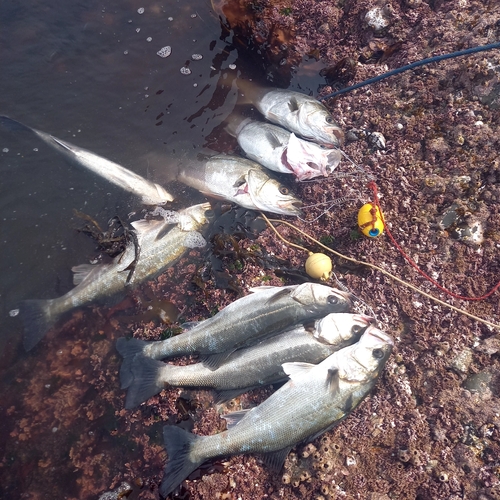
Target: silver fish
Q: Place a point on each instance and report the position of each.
(297, 112)
(253, 366)
(240, 181)
(157, 251)
(282, 151)
(316, 398)
(149, 192)
(266, 311)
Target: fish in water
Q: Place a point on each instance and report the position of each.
(282, 151)
(299, 113)
(253, 366)
(149, 192)
(316, 398)
(240, 181)
(264, 312)
(157, 250)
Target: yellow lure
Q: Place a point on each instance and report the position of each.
(370, 220)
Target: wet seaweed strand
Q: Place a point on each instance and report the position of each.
(376, 203)
(373, 266)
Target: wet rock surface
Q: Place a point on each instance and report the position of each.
(431, 427)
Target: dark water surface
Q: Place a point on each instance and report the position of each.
(88, 73)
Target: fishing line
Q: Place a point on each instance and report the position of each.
(416, 64)
(373, 266)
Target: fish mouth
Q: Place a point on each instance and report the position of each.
(369, 320)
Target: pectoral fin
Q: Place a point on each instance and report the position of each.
(276, 459)
(297, 370)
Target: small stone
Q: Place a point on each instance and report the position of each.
(462, 361)
(377, 19)
(376, 140)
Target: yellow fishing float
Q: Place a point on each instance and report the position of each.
(370, 220)
(319, 266)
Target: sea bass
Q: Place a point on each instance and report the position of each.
(149, 192)
(157, 250)
(282, 151)
(297, 112)
(264, 312)
(316, 398)
(240, 181)
(253, 366)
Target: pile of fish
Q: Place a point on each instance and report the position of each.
(304, 333)
(283, 147)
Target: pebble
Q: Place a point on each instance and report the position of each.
(377, 19)
(462, 361)
(376, 140)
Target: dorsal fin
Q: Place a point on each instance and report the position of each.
(143, 226)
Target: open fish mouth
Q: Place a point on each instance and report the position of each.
(374, 332)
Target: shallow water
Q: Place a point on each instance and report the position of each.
(88, 73)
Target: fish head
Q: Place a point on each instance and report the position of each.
(268, 194)
(336, 328)
(316, 123)
(365, 359)
(194, 218)
(309, 160)
(322, 298)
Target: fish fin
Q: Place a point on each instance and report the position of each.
(213, 361)
(281, 293)
(227, 395)
(256, 289)
(239, 182)
(37, 319)
(128, 348)
(273, 139)
(234, 417)
(332, 379)
(293, 105)
(349, 405)
(297, 370)
(81, 272)
(276, 459)
(178, 443)
(13, 125)
(145, 382)
(143, 226)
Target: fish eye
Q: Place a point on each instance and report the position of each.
(378, 353)
(329, 120)
(332, 299)
(357, 329)
(284, 190)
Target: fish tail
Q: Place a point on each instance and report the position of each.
(38, 316)
(146, 383)
(178, 443)
(128, 348)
